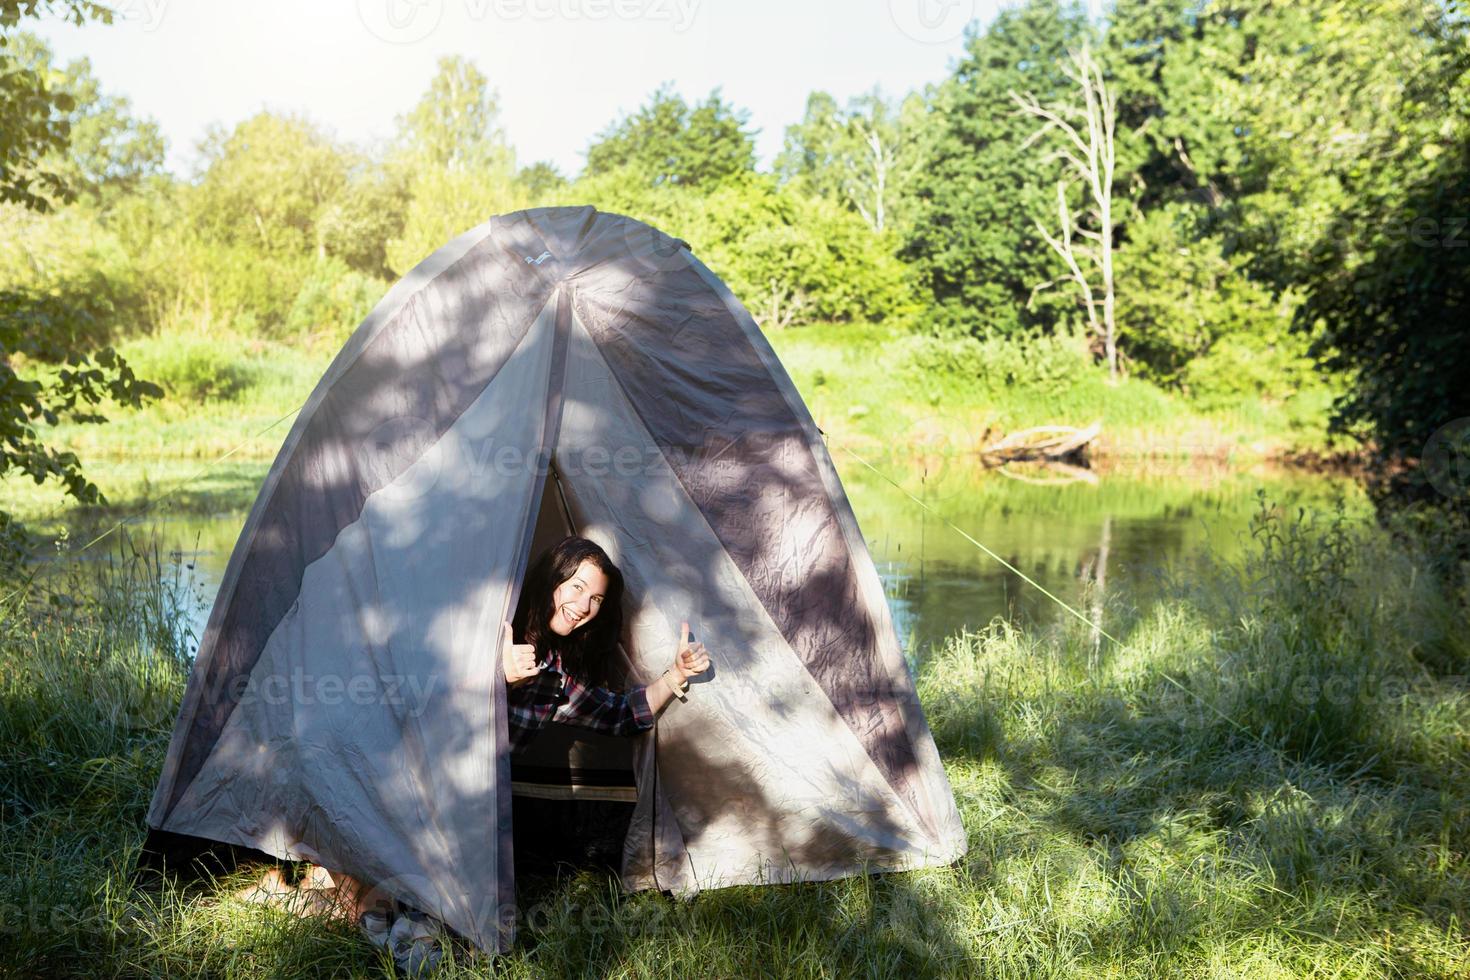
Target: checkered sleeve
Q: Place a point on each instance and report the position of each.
(602, 710)
(530, 704)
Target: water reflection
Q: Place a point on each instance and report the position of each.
(1087, 541)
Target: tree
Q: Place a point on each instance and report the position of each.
(860, 156)
(455, 125)
(33, 109)
(109, 151)
(1090, 158)
(266, 182)
(972, 238)
(44, 327)
(1319, 149)
(1388, 285)
(367, 211)
(669, 142)
(541, 179)
(452, 156)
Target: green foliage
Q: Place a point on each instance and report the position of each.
(980, 190)
(455, 125)
(1386, 284)
(56, 330)
(366, 214)
(669, 142)
(333, 300)
(453, 164)
(266, 183)
(194, 368)
(57, 321)
(790, 257)
(71, 253)
(237, 286)
(1046, 363)
(108, 151)
(795, 259)
(863, 156)
(1280, 154)
(1328, 635)
(444, 204)
(33, 108)
(1194, 319)
(541, 180)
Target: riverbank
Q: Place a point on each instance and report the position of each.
(873, 387)
(230, 402)
(1267, 776)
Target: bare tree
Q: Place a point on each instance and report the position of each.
(869, 180)
(1087, 153)
(861, 154)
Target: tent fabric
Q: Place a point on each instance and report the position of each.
(553, 370)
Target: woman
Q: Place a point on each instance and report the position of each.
(569, 619)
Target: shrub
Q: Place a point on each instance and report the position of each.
(1331, 631)
(792, 259)
(332, 301)
(193, 368)
(1044, 362)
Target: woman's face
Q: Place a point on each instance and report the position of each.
(578, 599)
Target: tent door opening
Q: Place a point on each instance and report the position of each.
(572, 790)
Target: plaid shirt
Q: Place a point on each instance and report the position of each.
(556, 696)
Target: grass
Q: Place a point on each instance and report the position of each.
(874, 387)
(867, 386)
(1268, 776)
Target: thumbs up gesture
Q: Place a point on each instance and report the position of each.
(690, 659)
(518, 659)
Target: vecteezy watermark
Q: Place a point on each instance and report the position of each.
(405, 458)
(145, 14)
(409, 692)
(406, 454)
(400, 21)
(410, 21)
(932, 21)
(1446, 459)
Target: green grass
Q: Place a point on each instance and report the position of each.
(867, 385)
(874, 386)
(1268, 776)
(223, 393)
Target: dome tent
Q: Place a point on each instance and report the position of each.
(551, 371)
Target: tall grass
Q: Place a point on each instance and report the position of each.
(874, 386)
(1265, 778)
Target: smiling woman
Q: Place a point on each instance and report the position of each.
(569, 618)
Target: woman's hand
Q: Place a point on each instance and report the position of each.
(691, 659)
(517, 659)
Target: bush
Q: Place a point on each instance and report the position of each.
(1043, 362)
(1244, 366)
(69, 262)
(333, 300)
(792, 259)
(237, 288)
(193, 368)
(1332, 637)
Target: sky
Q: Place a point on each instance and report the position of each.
(564, 69)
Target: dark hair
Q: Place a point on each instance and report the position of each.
(587, 653)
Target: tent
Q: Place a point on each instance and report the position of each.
(554, 370)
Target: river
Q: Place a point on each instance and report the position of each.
(1096, 540)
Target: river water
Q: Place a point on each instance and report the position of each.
(1094, 539)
